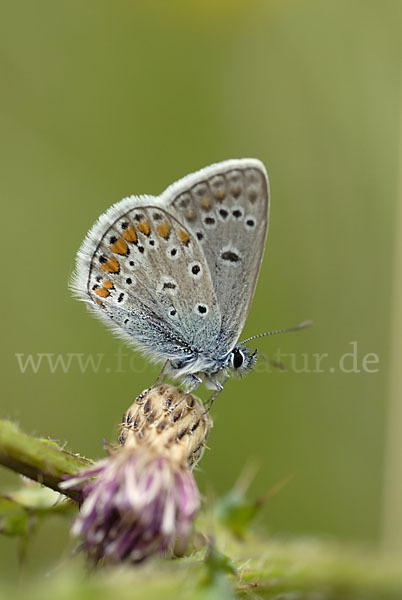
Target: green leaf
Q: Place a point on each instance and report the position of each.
(37, 497)
(219, 588)
(14, 519)
(236, 513)
(215, 583)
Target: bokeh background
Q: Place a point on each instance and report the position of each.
(104, 99)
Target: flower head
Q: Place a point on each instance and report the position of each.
(143, 497)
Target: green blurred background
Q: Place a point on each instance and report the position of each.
(104, 99)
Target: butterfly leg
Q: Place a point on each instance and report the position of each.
(195, 381)
(161, 375)
(219, 388)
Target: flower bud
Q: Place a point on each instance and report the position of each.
(167, 420)
(143, 497)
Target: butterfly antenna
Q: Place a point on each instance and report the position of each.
(294, 328)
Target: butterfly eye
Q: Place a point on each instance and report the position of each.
(237, 358)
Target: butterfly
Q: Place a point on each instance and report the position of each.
(174, 275)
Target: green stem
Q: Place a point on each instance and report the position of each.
(41, 460)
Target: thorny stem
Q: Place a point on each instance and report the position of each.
(273, 569)
(39, 459)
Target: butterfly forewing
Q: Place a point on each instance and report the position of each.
(225, 206)
(145, 274)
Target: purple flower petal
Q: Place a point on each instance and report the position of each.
(135, 503)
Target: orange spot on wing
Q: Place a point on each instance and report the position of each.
(119, 247)
(144, 227)
(108, 285)
(183, 237)
(102, 292)
(219, 194)
(206, 203)
(111, 266)
(190, 214)
(129, 234)
(164, 229)
(99, 302)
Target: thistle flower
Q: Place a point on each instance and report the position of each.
(143, 498)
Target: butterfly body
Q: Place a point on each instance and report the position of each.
(174, 275)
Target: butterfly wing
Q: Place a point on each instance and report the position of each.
(226, 208)
(144, 273)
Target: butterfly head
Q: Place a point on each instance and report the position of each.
(241, 359)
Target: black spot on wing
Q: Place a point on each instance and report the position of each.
(230, 256)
